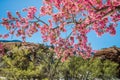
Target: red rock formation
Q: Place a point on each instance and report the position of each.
(112, 53)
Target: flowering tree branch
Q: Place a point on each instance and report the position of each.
(83, 16)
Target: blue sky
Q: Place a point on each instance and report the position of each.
(17, 5)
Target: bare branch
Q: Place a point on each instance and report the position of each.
(69, 35)
(41, 21)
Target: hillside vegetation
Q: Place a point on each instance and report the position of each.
(36, 61)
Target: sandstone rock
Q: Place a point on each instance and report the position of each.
(112, 53)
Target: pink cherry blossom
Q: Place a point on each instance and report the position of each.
(31, 12)
(5, 36)
(73, 18)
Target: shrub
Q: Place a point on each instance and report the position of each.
(43, 65)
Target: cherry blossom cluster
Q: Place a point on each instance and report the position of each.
(80, 16)
(21, 26)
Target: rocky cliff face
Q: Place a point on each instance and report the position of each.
(32, 47)
(25, 45)
(112, 53)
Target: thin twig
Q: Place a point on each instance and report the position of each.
(41, 21)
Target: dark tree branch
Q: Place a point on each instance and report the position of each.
(41, 21)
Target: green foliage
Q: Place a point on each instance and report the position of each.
(51, 63)
(89, 69)
(19, 65)
(109, 69)
(43, 65)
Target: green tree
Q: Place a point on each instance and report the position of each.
(23, 64)
(44, 65)
(77, 68)
(19, 64)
